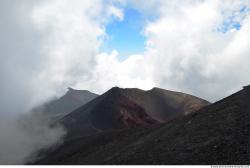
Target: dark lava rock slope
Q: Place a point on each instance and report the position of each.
(129, 108)
(216, 134)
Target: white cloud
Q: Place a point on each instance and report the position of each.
(185, 50)
(74, 31)
(20, 139)
(193, 55)
(110, 72)
(45, 47)
(116, 12)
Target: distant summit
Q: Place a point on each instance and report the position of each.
(70, 89)
(73, 99)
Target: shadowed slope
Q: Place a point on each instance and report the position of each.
(125, 108)
(164, 105)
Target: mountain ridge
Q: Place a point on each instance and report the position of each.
(129, 107)
(217, 134)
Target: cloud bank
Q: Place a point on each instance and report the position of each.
(22, 138)
(199, 47)
(45, 47)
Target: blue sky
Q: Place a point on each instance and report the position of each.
(126, 36)
(232, 22)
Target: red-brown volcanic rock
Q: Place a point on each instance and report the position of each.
(125, 108)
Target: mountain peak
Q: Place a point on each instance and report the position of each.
(246, 87)
(155, 88)
(69, 88)
(76, 91)
(115, 90)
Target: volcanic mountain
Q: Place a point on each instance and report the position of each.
(59, 107)
(126, 108)
(218, 134)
